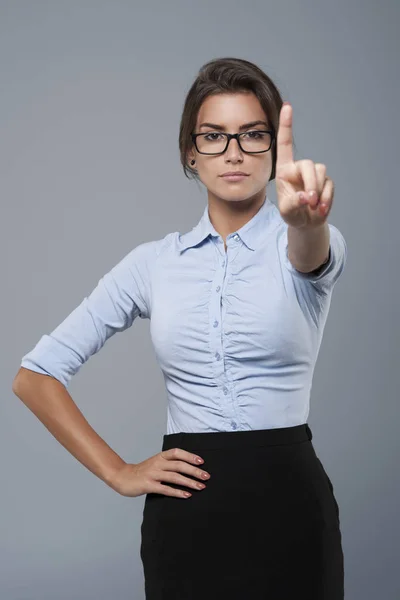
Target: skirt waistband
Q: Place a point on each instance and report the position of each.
(219, 440)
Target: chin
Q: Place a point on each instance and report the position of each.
(238, 197)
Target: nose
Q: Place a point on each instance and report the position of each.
(233, 151)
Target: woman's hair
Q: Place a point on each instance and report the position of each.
(221, 76)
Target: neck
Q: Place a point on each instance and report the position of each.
(229, 216)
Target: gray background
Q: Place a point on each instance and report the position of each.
(90, 103)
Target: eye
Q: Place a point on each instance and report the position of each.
(208, 138)
(255, 135)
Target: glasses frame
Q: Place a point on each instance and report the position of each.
(230, 136)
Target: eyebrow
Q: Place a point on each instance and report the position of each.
(244, 126)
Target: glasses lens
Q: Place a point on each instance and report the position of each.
(251, 141)
(255, 141)
(211, 143)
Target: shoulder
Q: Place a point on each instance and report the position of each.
(145, 254)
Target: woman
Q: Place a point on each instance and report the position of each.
(238, 307)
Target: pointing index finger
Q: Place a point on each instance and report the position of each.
(285, 136)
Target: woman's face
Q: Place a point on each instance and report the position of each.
(230, 111)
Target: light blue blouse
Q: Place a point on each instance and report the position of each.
(236, 333)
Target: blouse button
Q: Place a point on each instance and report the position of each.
(218, 288)
(215, 324)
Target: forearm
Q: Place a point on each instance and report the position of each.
(308, 248)
(50, 401)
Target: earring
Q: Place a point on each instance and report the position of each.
(192, 162)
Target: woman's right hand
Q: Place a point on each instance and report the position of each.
(146, 477)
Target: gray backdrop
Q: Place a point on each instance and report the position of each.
(90, 103)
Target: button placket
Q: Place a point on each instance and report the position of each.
(216, 321)
(234, 246)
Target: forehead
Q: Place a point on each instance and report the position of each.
(231, 109)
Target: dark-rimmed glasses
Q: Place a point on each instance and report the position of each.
(250, 142)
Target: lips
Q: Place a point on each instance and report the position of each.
(235, 174)
(236, 178)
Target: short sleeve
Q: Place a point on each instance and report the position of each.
(120, 296)
(324, 278)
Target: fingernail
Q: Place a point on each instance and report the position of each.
(303, 199)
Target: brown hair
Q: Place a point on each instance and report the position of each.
(227, 75)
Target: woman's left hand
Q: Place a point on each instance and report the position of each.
(295, 181)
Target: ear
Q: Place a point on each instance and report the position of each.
(190, 157)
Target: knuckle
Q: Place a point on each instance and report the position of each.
(308, 165)
(182, 480)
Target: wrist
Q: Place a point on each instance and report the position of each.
(112, 476)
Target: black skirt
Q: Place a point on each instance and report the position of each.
(265, 527)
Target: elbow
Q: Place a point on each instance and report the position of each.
(16, 384)
(18, 381)
(23, 378)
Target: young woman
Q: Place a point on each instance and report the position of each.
(238, 306)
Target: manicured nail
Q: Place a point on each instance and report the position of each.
(303, 199)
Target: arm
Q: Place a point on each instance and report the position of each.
(50, 401)
(46, 371)
(308, 249)
(118, 299)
